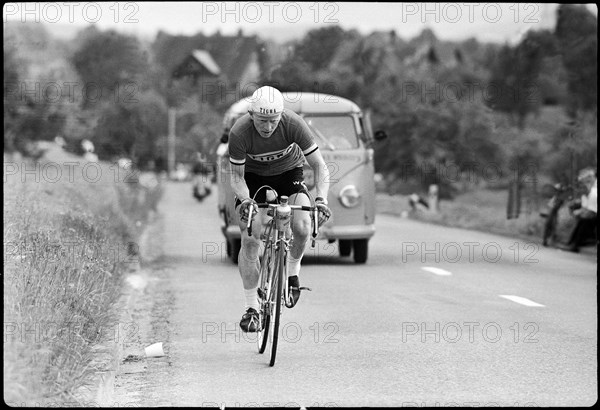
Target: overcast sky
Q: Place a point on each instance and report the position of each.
(498, 22)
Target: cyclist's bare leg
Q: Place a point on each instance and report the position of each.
(248, 257)
(300, 225)
(301, 229)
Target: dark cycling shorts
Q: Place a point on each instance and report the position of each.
(289, 183)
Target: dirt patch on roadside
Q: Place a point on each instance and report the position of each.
(151, 305)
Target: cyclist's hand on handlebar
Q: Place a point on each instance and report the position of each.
(245, 207)
(324, 211)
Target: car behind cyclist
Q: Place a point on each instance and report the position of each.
(268, 146)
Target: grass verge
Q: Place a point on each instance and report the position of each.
(70, 234)
(482, 210)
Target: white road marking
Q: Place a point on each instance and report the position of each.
(521, 300)
(437, 271)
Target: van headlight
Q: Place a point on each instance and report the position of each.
(349, 196)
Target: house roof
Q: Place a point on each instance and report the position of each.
(204, 58)
(230, 53)
(199, 62)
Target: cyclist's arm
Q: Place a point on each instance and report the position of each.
(238, 183)
(317, 163)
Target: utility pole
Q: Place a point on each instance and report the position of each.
(572, 144)
(171, 141)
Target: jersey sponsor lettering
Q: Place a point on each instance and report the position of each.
(271, 156)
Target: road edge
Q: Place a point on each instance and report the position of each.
(104, 386)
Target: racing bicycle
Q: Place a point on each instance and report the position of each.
(273, 292)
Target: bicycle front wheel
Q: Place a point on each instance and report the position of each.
(267, 291)
(280, 278)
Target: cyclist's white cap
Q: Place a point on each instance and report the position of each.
(266, 101)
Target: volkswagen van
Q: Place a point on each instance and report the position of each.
(344, 135)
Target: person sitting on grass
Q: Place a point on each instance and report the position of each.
(585, 211)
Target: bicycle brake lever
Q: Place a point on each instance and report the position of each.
(315, 227)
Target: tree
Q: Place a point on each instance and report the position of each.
(318, 47)
(514, 83)
(291, 75)
(34, 108)
(11, 105)
(529, 56)
(131, 130)
(577, 32)
(109, 64)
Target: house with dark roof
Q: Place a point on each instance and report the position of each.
(199, 63)
(232, 62)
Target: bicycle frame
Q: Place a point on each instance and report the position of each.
(273, 279)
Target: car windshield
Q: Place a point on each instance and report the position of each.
(333, 132)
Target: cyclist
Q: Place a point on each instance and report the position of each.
(267, 146)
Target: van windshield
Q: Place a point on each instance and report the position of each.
(333, 132)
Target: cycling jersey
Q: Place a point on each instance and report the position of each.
(284, 150)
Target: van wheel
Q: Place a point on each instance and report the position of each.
(361, 250)
(234, 246)
(345, 247)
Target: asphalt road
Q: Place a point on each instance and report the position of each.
(437, 317)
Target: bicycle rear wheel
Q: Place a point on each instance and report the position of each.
(280, 279)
